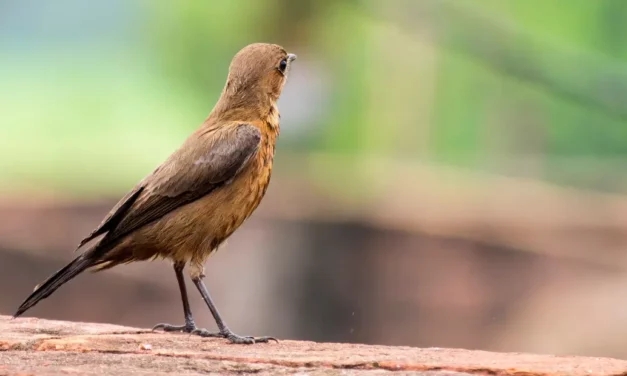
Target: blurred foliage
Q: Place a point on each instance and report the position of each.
(497, 85)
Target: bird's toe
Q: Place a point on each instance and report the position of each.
(174, 328)
(205, 333)
(248, 340)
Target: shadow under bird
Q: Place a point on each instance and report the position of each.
(201, 194)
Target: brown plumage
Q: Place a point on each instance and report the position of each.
(202, 193)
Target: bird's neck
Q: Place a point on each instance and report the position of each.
(247, 109)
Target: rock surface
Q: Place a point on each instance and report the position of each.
(31, 346)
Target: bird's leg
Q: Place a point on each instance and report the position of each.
(224, 330)
(189, 326)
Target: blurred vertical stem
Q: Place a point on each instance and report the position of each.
(352, 49)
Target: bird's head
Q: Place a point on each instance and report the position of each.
(258, 72)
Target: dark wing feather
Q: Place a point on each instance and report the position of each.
(189, 174)
(114, 216)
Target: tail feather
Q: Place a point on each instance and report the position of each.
(55, 281)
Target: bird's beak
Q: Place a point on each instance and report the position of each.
(291, 57)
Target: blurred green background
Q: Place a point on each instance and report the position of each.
(449, 172)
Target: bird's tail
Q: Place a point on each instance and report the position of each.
(55, 281)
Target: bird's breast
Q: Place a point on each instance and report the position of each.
(258, 178)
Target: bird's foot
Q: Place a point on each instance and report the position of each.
(234, 338)
(187, 328)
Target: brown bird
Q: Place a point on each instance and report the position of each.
(201, 194)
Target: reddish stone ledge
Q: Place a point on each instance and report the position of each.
(42, 347)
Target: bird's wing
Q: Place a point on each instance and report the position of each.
(189, 174)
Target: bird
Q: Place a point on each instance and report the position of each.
(191, 203)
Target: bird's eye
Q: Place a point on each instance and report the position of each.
(283, 65)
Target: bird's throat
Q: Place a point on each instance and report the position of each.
(273, 118)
